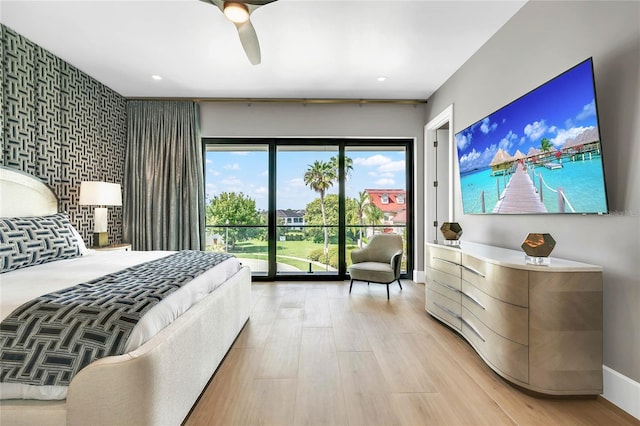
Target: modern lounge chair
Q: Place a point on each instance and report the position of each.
(378, 262)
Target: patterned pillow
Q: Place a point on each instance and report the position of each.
(26, 241)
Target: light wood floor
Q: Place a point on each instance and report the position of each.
(311, 354)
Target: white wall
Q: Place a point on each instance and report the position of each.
(540, 41)
(324, 120)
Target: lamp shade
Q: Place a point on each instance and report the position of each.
(100, 194)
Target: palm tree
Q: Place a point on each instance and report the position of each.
(545, 145)
(364, 205)
(374, 215)
(320, 177)
(348, 166)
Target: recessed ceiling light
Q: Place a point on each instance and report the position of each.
(382, 78)
(156, 77)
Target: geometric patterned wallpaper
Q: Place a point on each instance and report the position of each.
(60, 125)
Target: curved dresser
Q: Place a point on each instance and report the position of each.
(539, 327)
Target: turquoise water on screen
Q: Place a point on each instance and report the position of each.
(581, 180)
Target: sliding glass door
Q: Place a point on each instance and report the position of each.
(307, 188)
(376, 194)
(296, 208)
(237, 202)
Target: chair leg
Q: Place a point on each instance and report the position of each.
(387, 291)
(399, 283)
(351, 285)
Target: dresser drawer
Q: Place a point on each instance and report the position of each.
(442, 278)
(506, 356)
(445, 260)
(443, 308)
(507, 284)
(447, 253)
(446, 290)
(507, 320)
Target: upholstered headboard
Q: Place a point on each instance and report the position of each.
(24, 195)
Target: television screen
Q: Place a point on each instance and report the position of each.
(539, 154)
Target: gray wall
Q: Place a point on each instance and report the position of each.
(324, 120)
(540, 41)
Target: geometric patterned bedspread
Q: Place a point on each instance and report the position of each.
(48, 340)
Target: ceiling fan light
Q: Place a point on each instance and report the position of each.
(236, 12)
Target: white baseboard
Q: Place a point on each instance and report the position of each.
(418, 276)
(621, 391)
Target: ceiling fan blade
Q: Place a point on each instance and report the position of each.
(247, 33)
(249, 40)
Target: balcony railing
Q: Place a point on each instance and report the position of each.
(299, 248)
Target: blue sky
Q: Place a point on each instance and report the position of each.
(247, 172)
(559, 110)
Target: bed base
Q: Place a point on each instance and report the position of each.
(157, 383)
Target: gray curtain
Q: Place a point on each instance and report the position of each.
(163, 205)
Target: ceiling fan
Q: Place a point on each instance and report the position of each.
(238, 13)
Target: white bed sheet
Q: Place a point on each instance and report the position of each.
(20, 286)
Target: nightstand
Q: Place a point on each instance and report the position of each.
(114, 247)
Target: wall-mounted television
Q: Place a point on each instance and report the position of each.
(539, 154)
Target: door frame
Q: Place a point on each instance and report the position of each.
(445, 118)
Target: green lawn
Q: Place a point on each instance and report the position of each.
(250, 246)
(300, 264)
(284, 248)
(257, 249)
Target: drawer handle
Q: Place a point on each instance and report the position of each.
(473, 271)
(447, 310)
(474, 300)
(450, 262)
(452, 288)
(472, 328)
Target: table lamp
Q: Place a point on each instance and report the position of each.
(100, 194)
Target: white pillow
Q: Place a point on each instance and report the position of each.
(81, 245)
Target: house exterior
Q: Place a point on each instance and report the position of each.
(393, 203)
(292, 218)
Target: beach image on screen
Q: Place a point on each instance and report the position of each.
(539, 154)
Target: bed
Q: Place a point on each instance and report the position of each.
(156, 383)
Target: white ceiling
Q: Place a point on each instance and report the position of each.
(310, 48)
